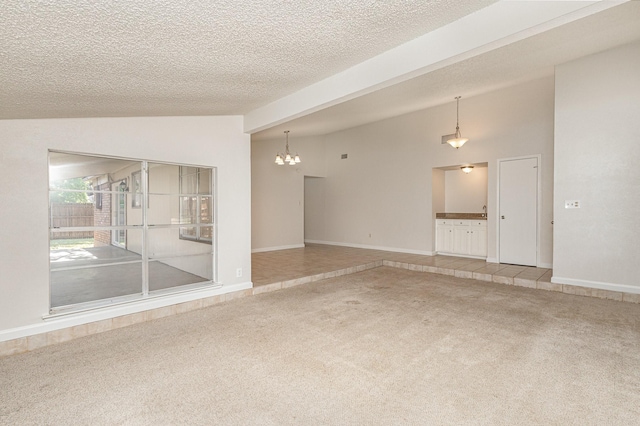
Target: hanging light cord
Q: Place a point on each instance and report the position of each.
(287, 147)
(458, 134)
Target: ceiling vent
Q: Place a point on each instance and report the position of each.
(445, 138)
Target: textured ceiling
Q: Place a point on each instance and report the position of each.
(75, 58)
(531, 58)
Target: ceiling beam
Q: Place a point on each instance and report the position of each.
(498, 25)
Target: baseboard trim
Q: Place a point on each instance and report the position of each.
(492, 260)
(54, 323)
(263, 249)
(546, 265)
(365, 246)
(468, 256)
(596, 284)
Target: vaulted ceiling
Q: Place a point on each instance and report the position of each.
(311, 66)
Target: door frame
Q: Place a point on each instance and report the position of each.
(115, 210)
(538, 203)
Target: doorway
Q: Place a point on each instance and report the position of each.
(518, 204)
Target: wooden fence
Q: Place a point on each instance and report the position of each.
(64, 215)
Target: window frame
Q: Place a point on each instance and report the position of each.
(198, 207)
(145, 228)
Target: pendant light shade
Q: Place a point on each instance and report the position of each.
(467, 169)
(457, 141)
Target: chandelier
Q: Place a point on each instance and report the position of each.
(457, 141)
(287, 157)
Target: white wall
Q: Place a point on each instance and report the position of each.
(209, 141)
(277, 197)
(465, 192)
(314, 201)
(381, 196)
(597, 150)
(437, 196)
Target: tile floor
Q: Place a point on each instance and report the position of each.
(285, 268)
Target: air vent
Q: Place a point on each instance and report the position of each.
(445, 138)
(344, 156)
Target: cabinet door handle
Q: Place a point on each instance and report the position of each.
(501, 217)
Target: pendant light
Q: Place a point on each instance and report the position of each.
(287, 157)
(467, 169)
(457, 141)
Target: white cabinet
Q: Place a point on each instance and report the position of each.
(478, 238)
(444, 235)
(462, 237)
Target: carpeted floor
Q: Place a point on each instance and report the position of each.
(384, 346)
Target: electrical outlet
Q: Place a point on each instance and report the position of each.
(572, 204)
(239, 273)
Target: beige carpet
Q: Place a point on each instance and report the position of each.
(385, 346)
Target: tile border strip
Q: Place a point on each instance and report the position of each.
(37, 341)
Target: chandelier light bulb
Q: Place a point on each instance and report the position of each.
(286, 157)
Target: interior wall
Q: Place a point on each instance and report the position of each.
(437, 196)
(384, 188)
(465, 192)
(313, 208)
(277, 197)
(381, 195)
(597, 149)
(209, 141)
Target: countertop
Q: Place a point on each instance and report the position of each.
(472, 216)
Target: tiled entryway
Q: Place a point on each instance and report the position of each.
(285, 268)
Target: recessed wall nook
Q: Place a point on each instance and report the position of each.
(459, 197)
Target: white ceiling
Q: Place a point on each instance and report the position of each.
(525, 60)
(87, 58)
(82, 58)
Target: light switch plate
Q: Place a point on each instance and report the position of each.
(572, 204)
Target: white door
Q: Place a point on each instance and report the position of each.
(518, 211)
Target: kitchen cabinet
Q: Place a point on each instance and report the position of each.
(461, 237)
(444, 235)
(478, 238)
